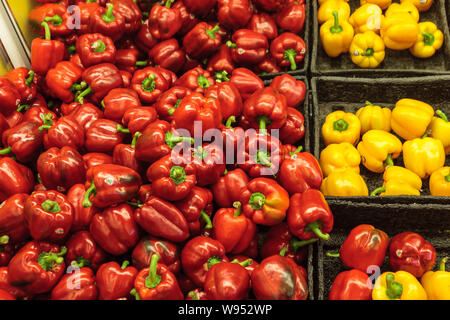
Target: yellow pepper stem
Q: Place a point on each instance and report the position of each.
(368, 53)
(336, 28)
(368, 103)
(428, 38)
(340, 125)
(442, 115)
(388, 161)
(378, 191)
(447, 178)
(394, 289)
(442, 264)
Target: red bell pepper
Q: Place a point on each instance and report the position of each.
(107, 21)
(115, 281)
(61, 168)
(279, 278)
(197, 80)
(267, 66)
(103, 135)
(246, 82)
(197, 108)
(37, 114)
(164, 21)
(229, 98)
(86, 114)
(167, 74)
(364, 246)
(234, 14)
(124, 155)
(23, 80)
(300, 172)
(169, 101)
(200, 8)
(196, 294)
(14, 178)
(65, 132)
(351, 285)
(202, 41)
(294, 128)
(118, 101)
(131, 12)
(288, 50)
(77, 285)
(227, 281)
(14, 291)
(167, 54)
(293, 90)
(5, 295)
(6, 250)
(12, 219)
(292, 17)
(188, 20)
(234, 230)
(221, 61)
(167, 251)
(195, 207)
(24, 141)
(61, 80)
(228, 188)
(410, 252)
(271, 5)
(149, 83)
(264, 24)
(156, 283)
(81, 216)
(265, 201)
(128, 60)
(94, 159)
(144, 38)
(136, 119)
(46, 53)
(110, 184)
(9, 96)
(83, 251)
(248, 47)
(209, 163)
(162, 219)
(86, 10)
(37, 266)
(115, 230)
(249, 264)
(55, 15)
(199, 255)
(95, 48)
(49, 215)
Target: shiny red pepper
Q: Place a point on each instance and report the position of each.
(167, 251)
(202, 41)
(209, 162)
(131, 12)
(65, 132)
(221, 61)
(128, 60)
(248, 47)
(95, 48)
(46, 53)
(6, 250)
(227, 189)
(288, 50)
(115, 230)
(167, 54)
(234, 14)
(118, 101)
(86, 114)
(293, 90)
(246, 81)
(55, 15)
(410, 252)
(136, 119)
(294, 128)
(264, 24)
(124, 155)
(24, 141)
(267, 66)
(9, 96)
(94, 159)
(351, 285)
(196, 294)
(60, 169)
(199, 255)
(37, 266)
(86, 10)
(229, 98)
(169, 101)
(110, 184)
(14, 178)
(197, 80)
(103, 135)
(62, 80)
(37, 114)
(83, 251)
(292, 17)
(200, 8)
(144, 38)
(81, 216)
(115, 281)
(271, 5)
(149, 83)
(79, 284)
(188, 20)
(14, 291)
(197, 205)
(23, 80)
(164, 21)
(107, 21)
(12, 219)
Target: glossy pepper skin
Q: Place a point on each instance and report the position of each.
(294, 128)
(37, 266)
(293, 90)
(86, 114)
(55, 15)
(114, 229)
(23, 140)
(234, 14)
(200, 9)
(366, 18)
(9, 96)
(128, 60)
(288, 50)
(264, 24)
(136, 119)
(367, 50)
(149, 83)
(341, 126)
(197, 80)
(411, 118)
(440, 182)
(344, 183)
(399, 181)
(168, 252)
(162, 219)
(164, 21)
(410, 252)
(327, 9)
(209, 162)
(309, 215)
(14, 178)
(118, 101)
(270, 5)
(351, 285)
(23, 79)
(101, 79)
(299, 172)
(399, 31)
(221, 61)
(246, 81)
(230, 99)
(61, 80)
(227, 189)
(292, 17)
(279, 278)
(156, 283)
(336, 35)
(202, 41)
(83, 251)
(107, 21)
(167, 54)
(95, 48)
(104, 135)
(61, 168)
(248, 47)
(64, 132)
(81, 216)
(440, 129)
(364, 246)
(436, 283)
(374, 117)
(169, 101)
(403, 6)
(198, 255)
(338, 156)
(227, 281)
(423, 156)
(49, 215)
(115, 281)
(378, 148)
(15, 291)
(84, 282)
(46, 53)
(400, 285)
(12, 218)
(264, 201)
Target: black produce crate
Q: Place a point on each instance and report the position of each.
(396, 63)
(302, 67)
(335, 93)
(430, 221)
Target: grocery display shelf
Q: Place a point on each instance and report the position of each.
(396, 63)
(334, 93)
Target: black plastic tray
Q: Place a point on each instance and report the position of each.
(430, 221)
(335, 93)
(396, 63)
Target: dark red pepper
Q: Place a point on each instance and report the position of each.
(202, 41)
(288, 50)
(292, 17)
(197, 80)
(81, 216)
(12, 219)
(95, 48)
(227, 189)
(169, 101)
(131, 12)
(229, 98)
(136, 119)
(65, 132)
(24, 141)
(200, 8)
(14, 178)
(107, 21)
(234, 14)
(164, 21)
(264, 24)
(248, 47)
(76, 285)
(167, 251)
(103, 135)
(351, 285)
(221, 61)
(246, 82)
(9, 96)
(167, 54)
(149, 83)
(46, 53)
(23, 80)
(83, 251)
(115, 281)
(62, 80)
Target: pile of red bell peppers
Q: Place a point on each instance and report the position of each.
(95, 203)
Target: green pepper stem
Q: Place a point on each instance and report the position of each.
(237, 205)
(71, 49)
(121, 129)
(134, 293)
(56, 20)
(394, 289)
(149, 83)
(125, 264)
(230, 44)
(169, 3)
(298, 150)
(296, 244)
(213, 260)
(336, 28)
(290, 55)
(264, 159)
(80, 262)
(447, 178)
(207, 219)
(203, 82)
(6, 151)
(51, 206)
(221, 76)
(48, 34)
(442, 115)
(98, 46)
(172, 140)
(332, 255)
(368, 53)
(389, 162)
(244, 263)
(193, 295)
(83, 94)
(378, 191)
(109, 16)
(368, 103)
(91, 190)
(135, 139)
(263, 121)
(212, 33)
(4, 239)
(340, 125)
(314, 227)
(23, 107)
(283, 251)
(177, 174)
(230, 120)
(428, 38)
(29, 79)
(257, 200)
(135, 204)
(141, 63)
(48, 259)
(47, 119)
(153, 278)
(442, 264)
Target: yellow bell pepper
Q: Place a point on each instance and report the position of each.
(374, 118)
(405, 7)
(440, 129)
(440, 182)
(341, 126)
(399, 181)
(367, 50)
(344, 183)
(378, 148)
(421, 5)
(437, 284)
(411, 118)
(400, 285)
(399, 31)
(383, 4)
(368, 17)
(423, 156)
(327, 8)
(336, 36)
(323, 1)
(339, 156)
(429, 40)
